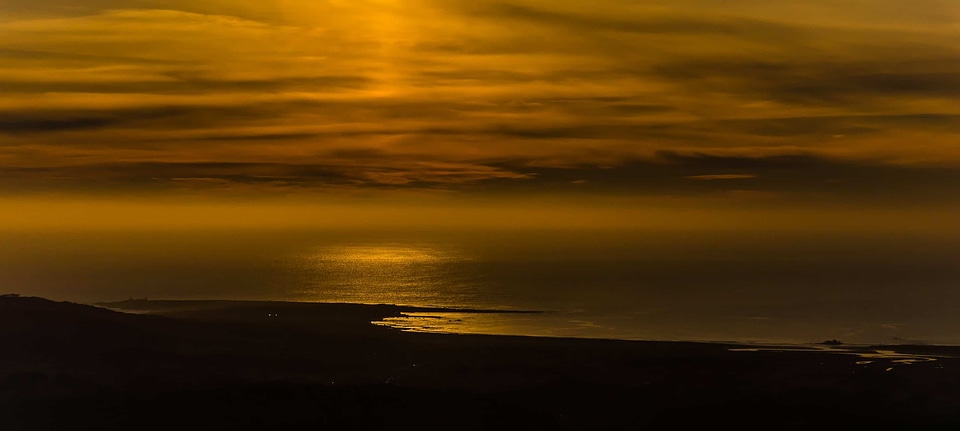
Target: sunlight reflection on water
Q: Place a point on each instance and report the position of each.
(549, 324)
(869, 354)
(384, 255)
(405, 274)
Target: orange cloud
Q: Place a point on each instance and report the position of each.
(452, 95)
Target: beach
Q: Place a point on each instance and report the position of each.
(265, 365)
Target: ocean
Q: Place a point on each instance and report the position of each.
(743, 286)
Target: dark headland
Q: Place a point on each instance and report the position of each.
(210, 365)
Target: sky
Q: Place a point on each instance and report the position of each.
(839, 113)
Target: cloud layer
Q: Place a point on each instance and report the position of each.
(825, 98)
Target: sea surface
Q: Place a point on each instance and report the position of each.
(763, 287)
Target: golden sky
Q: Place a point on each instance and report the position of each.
(824, 102)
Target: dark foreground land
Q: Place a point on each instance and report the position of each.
(231, 365)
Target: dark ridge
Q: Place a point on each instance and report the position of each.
(229, 366)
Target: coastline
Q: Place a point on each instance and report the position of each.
(380, 314)
(65, 362)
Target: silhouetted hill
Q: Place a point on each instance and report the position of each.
(228, 365)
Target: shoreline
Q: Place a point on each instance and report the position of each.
(167, 305)
(190, 307)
